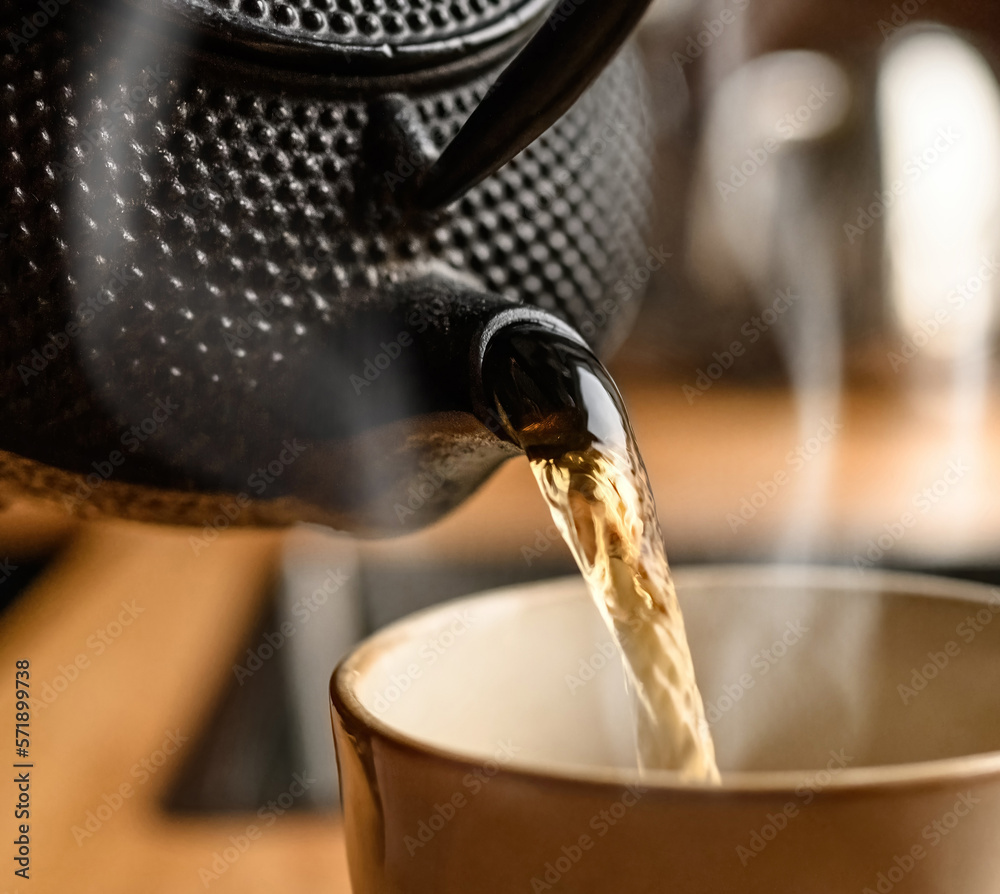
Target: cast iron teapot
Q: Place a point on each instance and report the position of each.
(254, 251)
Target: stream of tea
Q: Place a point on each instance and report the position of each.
(601, 502)
(565, 411)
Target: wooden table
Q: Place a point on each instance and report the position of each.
(157, 679)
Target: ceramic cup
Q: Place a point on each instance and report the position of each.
(485, 745)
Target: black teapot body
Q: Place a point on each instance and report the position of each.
(249, 264)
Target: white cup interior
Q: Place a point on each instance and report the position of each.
(793, 664)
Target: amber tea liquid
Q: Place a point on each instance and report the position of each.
(570, 419)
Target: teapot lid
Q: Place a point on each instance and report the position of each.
(353, 37)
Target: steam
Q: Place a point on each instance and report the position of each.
(778, 221)
(937, 92)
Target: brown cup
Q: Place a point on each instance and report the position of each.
(485, 745)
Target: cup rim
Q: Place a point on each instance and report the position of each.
(966, 768)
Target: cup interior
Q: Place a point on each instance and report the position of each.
(794, 665)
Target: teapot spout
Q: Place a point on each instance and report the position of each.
(428, 432)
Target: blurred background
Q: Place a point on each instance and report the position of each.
(812, 379)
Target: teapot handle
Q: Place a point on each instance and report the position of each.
(563, 58)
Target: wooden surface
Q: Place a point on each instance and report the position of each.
(161, 675)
